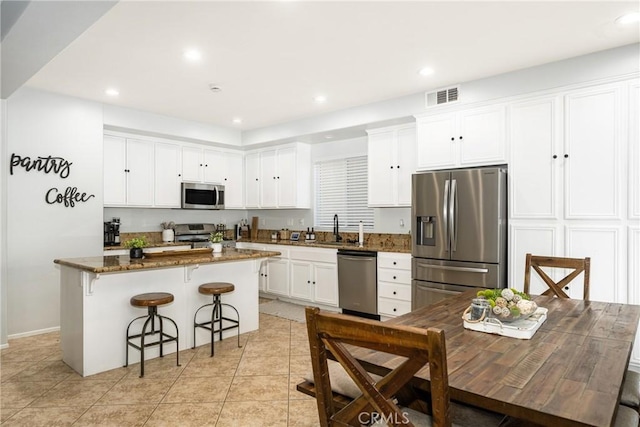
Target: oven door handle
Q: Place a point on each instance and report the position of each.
(453, 268)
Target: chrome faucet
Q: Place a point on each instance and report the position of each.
(336, 233)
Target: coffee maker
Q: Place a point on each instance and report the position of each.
(112, 232)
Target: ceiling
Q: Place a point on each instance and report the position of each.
(271, 59)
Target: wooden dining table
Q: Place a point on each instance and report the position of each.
(570, 373)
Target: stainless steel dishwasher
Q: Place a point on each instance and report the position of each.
(358, 283)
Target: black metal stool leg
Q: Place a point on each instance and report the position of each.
(177, 338)
(144, 333)
(238, 322)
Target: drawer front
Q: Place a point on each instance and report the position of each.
(314, 255)
(392, 260)
(394, 276)
(392, 307)
(395, 291)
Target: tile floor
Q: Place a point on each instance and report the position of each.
(249, 386)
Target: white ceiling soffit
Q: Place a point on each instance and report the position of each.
(272, 58)
(33, 32)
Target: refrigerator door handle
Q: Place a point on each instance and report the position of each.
(454, 268)
(445, 215)
(453, 221)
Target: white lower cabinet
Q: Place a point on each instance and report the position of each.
(278, 276)
(603, 244)
(394, 284)
(314, 275)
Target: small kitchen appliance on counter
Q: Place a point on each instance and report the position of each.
(198, 235)
(112, 232)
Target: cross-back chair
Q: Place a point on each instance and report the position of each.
(332, 332)
(579, 265)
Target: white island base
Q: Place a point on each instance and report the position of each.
(95, 309)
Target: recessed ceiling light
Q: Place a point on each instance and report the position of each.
(628, 18)
(214, 87)
(237, 120)
(426, 71)
(328, 137)
(320, 99)
(192, 55)
(112, 92)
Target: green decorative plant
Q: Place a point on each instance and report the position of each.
(136, 243)
(216, 237)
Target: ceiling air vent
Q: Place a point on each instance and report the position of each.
(442, 96)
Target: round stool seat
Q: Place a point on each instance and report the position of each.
(151, 299)
(216, 288)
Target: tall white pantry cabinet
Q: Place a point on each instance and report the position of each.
(574, 185)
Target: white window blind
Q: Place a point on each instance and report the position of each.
(341, 188)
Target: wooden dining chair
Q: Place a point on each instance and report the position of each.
(377, 401)
(579, 265)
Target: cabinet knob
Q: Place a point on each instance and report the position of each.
(278, 177)
(314, 283)
(453, 139)
(206, 166)
(394, 292)
(566, 156)
(179, 174)
(308, 281)
(390, 167)
(460, 137)
(398, 167)
(394, 263)
(395, 309)
(394, 277)
(566, 288)
(225, 179)
(256, 179)
(200, 164)
(555, 156)
(274, 177)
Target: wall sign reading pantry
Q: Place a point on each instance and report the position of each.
(58, 165)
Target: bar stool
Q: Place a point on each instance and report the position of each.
(216, 289)
(151, 301)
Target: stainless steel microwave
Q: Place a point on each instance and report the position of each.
(202, 196)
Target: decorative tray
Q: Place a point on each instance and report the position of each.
(522, 329)
(199, 251)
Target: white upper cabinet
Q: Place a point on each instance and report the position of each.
(634, 150)
(475, 136)
(192, 164)
(128, 172)
(233, 180)
(536, 165)
(202, 165)
(168, 167)
(252, 180)
(279, 177)
(592, 152)
(391, 161)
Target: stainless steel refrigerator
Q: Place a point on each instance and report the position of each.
(459, 232)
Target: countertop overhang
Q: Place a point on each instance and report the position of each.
(120, 263)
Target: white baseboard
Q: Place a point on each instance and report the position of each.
(634, 366)
(3, 346)
(32, 333)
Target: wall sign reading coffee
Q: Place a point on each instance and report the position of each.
(59, 166)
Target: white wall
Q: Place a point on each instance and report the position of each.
(128, 119)
(3, 223)
(138, 219)
(43, 124)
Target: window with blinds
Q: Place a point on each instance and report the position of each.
(341, 188)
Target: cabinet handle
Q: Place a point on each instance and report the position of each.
(566, 156)
(555, 156)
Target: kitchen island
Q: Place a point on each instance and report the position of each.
(95, 294)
